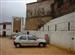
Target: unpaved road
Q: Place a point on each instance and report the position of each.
(7, 48)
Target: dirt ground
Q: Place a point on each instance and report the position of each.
(7, 48)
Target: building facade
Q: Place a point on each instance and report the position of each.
(61, 31)
(5, 29)
(62, 7)
(38, 13)
(42, 11)
(8, 28)
(17, 24)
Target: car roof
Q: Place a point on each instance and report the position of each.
(24, 35)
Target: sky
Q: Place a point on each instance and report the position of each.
(9, 8)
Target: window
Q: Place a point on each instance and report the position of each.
(23, 38)
(48, 27)
(55, 27)
(4, 26)
(32, 38)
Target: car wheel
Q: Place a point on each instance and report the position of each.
(17, 45)
(41, 45)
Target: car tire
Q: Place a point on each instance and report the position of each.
(41, 45)
(17, 45)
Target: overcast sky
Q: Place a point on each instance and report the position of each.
(9, 8)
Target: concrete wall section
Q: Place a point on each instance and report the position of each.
(72, 26)
(62, 39)
(74, 42)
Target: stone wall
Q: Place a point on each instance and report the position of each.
(35, 23)
(16, 24)
(44, 11)
(62, 7)
(38, 13)
(38, 9)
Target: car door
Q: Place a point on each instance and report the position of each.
(23, 40)
(32, 41)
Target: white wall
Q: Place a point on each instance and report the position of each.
(8, 29)
(62, 36)
(40, 34)
(62, 23)
(1, 29)
(74, 42)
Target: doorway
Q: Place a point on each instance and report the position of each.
(4, 33)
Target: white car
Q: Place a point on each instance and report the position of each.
(29, 40)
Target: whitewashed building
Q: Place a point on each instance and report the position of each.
(10, 28)
(5, 29)
(61, 31)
